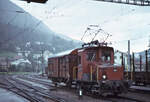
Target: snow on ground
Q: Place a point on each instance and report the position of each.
(7, 96)
(46, 80)
(40, 79)
(140, 88)
(33, 84)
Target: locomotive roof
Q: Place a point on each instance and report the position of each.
(90, 47)
(70, 51)
(62, 53)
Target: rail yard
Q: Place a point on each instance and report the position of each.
(35, 88)
(46, 55)
(64, 81)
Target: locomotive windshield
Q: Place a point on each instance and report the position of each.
(106, 56)
(91, 56)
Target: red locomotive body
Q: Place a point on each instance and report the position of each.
(98, 62)
(91, 68)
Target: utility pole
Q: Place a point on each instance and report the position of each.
(149, 42)
(146, 55)
(42, 62)
(42, 56)
(129, 56)
(7, 65)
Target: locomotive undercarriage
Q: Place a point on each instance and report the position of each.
(100, 88)
(103, 87)
(58, 79)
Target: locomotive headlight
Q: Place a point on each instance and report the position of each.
(104, 77)
(115, 69)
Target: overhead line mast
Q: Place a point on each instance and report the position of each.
(94, 30)
(37, 1)
(129, 2)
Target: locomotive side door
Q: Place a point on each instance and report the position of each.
(73, 65)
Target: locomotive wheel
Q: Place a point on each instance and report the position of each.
(78, 86)
(69, 84)
(115, 94)
(100, 92)
(144, 83)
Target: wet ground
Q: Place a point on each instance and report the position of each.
(7, 96)
(68, 95)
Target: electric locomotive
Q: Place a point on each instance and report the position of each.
(91, 68)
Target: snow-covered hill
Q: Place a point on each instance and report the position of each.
(18, 28)
(124, 22)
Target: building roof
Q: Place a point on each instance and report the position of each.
(17, 62)
(62, 53)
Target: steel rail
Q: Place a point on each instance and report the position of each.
(43, 94)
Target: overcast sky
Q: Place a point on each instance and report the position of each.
(72, 17)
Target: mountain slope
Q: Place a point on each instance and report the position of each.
(126, 22)
(19, 29)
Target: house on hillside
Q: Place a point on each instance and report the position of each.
(4, 64)
(23, 65)
(17, 63)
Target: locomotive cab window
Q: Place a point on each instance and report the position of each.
(91, 56)
(106, 56)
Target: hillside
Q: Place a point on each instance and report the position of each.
(23, 32)
(124, 22)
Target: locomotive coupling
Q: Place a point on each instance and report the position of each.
(127, 83)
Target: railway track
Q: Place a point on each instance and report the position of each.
(48, 84)
(123, 99)
(13, 88)
(28, 92)
(110, 98)
(139, 91)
